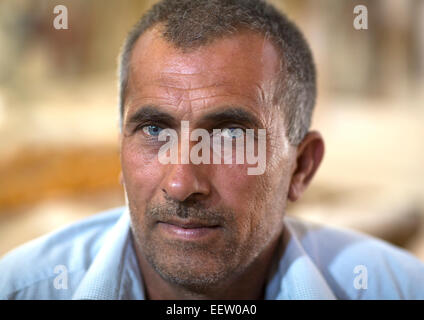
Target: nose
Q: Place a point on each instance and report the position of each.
(185, 181)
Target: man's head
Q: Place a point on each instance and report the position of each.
(219, 65)
(189, 24)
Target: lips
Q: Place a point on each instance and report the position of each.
(187, 230)
(189, 224)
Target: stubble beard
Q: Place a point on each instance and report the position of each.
(194, 266)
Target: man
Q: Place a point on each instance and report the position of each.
(210, 230)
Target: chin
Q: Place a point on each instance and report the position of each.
(195, 271)
(199, 281)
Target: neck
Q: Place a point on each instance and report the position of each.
(249, 285)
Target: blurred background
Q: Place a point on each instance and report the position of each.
(59, 155)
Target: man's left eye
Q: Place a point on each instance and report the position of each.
(232, 133)
(152, 130)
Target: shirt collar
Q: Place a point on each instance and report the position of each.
(295, 276)
(114, 273)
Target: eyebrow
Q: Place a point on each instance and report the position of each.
(150, 113)
(233, 114)
(224, 115)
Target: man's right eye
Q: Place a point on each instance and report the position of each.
(152, 130)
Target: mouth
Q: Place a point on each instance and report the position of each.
(189, 230)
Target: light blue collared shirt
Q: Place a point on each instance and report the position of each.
(95, 259)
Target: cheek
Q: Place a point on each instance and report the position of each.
(141, 172)
(253, 197)
(238, 190)
(249, 197)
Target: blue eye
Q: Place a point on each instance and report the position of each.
(232, 133)
(152, 130)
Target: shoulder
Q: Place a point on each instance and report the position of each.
(34, 265)
(358, 266)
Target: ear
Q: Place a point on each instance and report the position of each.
(309, 155)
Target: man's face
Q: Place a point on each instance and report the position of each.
(197, 225)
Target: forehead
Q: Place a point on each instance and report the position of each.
(243, 64)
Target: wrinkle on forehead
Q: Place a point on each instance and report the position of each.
(244, 64)
(239, 51)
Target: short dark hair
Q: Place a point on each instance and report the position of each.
(189, 24)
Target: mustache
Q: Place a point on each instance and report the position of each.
(190, 211)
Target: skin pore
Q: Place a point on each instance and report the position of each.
(240, 216)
